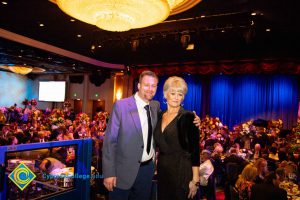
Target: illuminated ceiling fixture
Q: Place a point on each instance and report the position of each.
(20, 69)
(123, 15)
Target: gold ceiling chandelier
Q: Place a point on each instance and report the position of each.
(123, 15)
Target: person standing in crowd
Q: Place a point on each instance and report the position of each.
(178, 142)
(128, 149)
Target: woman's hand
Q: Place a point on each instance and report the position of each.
(192, 189)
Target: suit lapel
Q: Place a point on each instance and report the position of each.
(135, 115)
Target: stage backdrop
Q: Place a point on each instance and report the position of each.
(238, 98)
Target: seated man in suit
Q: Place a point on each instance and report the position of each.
(269, 189)
(49, 164)
(234, 158)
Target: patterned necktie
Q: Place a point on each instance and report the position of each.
(149, 128)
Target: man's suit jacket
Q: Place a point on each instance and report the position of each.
(123, 142)
(265, 191)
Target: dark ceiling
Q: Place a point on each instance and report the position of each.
(227, 32)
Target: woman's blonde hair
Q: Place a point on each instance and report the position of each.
(177, 83)
(258, 163)
(249, 173)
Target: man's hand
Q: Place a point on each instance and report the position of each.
(110, 183)
(197, 120)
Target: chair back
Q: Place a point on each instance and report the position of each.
(234, 193)
(211, 187)
(232, 171)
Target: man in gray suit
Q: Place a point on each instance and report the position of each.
(127, 166)
(128, 163)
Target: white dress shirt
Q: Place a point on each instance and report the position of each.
(206, 169)
(144, 123)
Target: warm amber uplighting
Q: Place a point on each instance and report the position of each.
(123, 15)
(118, 86)
(119, 95)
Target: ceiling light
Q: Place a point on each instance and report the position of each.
(268, 29)
(23, 70)
(79, 35)
(72, 20)
(123, 15)
(4, 2)
(42, 25)
(37, 70)
(253, 14)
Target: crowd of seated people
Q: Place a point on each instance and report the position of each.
(32, 125)
(22, 126)
(48, 125)
(251, 158)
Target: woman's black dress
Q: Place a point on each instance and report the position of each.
(174, 167)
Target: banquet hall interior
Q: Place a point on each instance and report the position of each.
(60, 77)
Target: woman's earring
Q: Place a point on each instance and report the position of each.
(164, 100)
(182, 104)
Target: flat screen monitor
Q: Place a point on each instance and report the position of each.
(52, 91)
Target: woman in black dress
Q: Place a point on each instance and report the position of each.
(178, 141)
